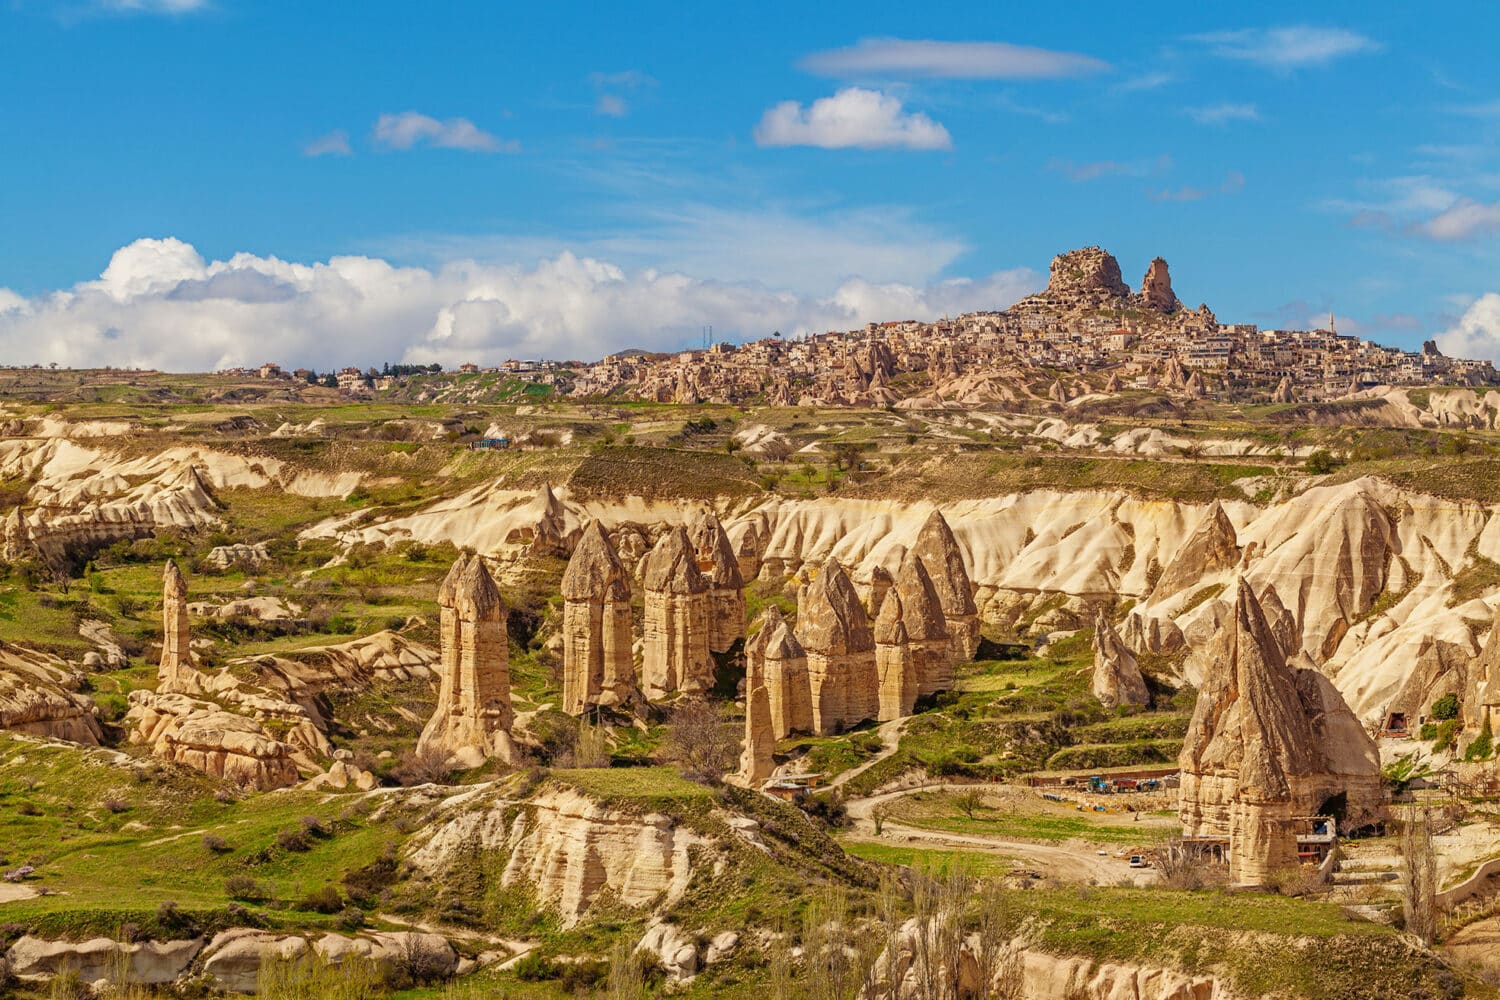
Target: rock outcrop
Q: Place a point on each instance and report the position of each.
(1211, 549)
(1156, 288)
(835, 631)
(570, 849)
(676, 628)
(913, 650)
(598, 662)
(720, 566)
(1480, 700)
(944, 562)
(42, 696)
(206, 737)
(472, 720)
(1268, 746)
(176, 673)
(1117, 676)
(757, 759)
(774, 658)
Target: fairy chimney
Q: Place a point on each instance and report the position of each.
(472, 720)
(835, 630)
(676, 629)
(1268, 746)
(940, 554)
(1117, 675)
(747, 550)
(926, 626)
(774, 658)
(1212, 548)
(880, 585)
(720, 566)
(176, 673)
(17, 537)
(598, 665)
(756, 759)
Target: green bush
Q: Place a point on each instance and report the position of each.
(1319, 463)
(1445, 707)
(1483, 747)
(1428, 731)
(1447, 734)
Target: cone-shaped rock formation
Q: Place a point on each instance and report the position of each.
(835, 630)
(473, 715)
(940, 554)
(775, 659)
(1117, 676)
(1268, 747)
(1211, 548)
(720, 566)
(676, 632)
(598, 664)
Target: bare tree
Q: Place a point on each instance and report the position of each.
(627, 981)
(700, 742)
(995, 957)
(1182, 866)
(591, 748)
(1419, 874)
(938, 900)
(969, 801)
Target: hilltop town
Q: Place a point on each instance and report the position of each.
(1086, 332)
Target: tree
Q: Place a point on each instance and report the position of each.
(700, 742)
(1419, 875)
(970, 801)
(1319, 463)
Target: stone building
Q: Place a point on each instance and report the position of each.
(835, 631)
(720, 566)
(472, 720)
(676, 630)
(598, 660)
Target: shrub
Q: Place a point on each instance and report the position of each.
(533, 968)
(1428, 731)
(351, 918)
(324, 900)
(1319, 463)
(293, 840)
(1446, 707)
(1447, 734)
(216, 844)
(244, 887)
(1483, 746)
(313, 826)
(115, 804)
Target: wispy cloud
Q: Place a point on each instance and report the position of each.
(1463, 220)
(1143, 82)
(852, 118)
(410, 129)
(612, 106)
(610, 102)
(151, 6)
(1287, 48)
(960, 60)
(335, 143)
(1483, 109)
(1233, 183)
(1223, 114)
(1083, 172)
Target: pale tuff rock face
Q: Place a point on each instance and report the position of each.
(40, 696)
(1267, 744)
(756, 758)
(1117, 676)
(1088, 271)
(721, 568)
(18, 543)
(570, 849)
(1481, 695)
(1211, 549)
(204, 736)
(880, 584)
(176, 672)
(944, 561)
(834, 629)
(748, 543)
(775, 659)
(598, 665)
(472, 720)
(894, 664)
(676, 629)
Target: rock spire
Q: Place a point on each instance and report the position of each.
(835, 631)
(720, 566)
(774, 658)
(176, 673)
(1117, 676)
(1270, 745)
(598, 663)
(944, 562)
(472, 720)
(1212, 548)
(676, 630)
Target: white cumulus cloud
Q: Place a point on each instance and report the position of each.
(1462, 220)
(966, 60)
(1477, 332)
(852, 118)
(160, 304)
(411, 128)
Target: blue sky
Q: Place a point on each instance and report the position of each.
(187, 183)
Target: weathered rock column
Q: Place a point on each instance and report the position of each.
(834, 629)
(1117, 676)
(774, 658)
(926, 627)
(757, 760)
(598, 668)
(176, 673)
(894, 663)
(940, 554)
(720, 566)
(473, 716)
(676, 631)
(881, 582)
